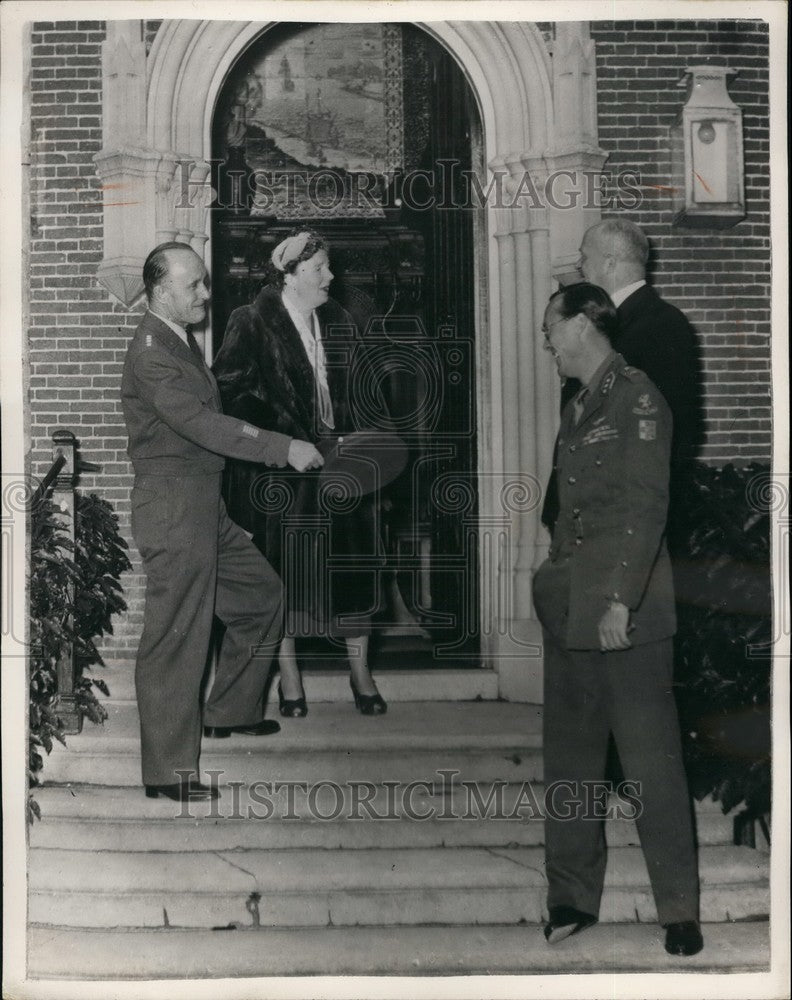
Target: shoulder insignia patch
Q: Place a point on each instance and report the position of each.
(607, 383)
(647, 430)
(250, 431)
(645, 406)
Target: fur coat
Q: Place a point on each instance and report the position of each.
(295, 524)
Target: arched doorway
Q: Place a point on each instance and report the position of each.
(370, 134)
(535, 87)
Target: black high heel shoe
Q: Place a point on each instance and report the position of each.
(292, 708)
(368, 704)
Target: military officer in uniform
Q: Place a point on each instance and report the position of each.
(197, 561)
(605, 599)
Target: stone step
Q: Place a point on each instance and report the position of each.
(91, 817)
(368, 886)
(399, 951)
(338, 726)
(482, 740)
(434, 684)
(240, 764)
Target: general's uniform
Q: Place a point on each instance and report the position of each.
(613, 472)
(197, 561)
(656, 337)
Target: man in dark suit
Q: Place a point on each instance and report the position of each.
(653, 335)
(605, 599)
(198, 563)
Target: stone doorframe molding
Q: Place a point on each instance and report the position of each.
(538, 112)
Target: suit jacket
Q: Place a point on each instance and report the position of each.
(172, 411)
(613, 477)
(657, 338)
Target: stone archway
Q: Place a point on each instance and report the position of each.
(538, 115)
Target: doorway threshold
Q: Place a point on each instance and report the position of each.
(406, 684)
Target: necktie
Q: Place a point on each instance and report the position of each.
(579, 402)
(193, 345)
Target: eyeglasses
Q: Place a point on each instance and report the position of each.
(546, 331)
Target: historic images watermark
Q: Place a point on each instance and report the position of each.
(448, 186)
(445, 796)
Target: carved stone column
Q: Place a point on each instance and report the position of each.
(510, 393)
(168, 190)
(142, 186)
(197, 214)
(126, 174)
(126, 169)
(573, 159)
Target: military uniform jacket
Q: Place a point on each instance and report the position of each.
(609, 542)
(173, 413)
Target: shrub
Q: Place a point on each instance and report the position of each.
(720, 538)
(74, 592)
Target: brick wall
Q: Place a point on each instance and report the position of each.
(77, 334)
(719, 278)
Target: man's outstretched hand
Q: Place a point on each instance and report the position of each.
(303, 456)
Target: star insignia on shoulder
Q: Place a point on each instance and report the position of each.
(607, 383)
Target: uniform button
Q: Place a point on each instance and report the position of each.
(598, 462)
(572, 480)
(624, 563)
(578, 541)
(572, 447)
(576, 512)
(630, 531)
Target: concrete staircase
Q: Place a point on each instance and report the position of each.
(378, 853)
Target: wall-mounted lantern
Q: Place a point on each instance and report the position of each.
(707, 152)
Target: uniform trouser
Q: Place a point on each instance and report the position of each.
(588, 695)
(198, 563)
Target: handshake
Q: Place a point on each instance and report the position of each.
(303, 456)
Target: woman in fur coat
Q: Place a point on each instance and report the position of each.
(284, 365)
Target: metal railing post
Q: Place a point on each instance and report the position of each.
(63, 499)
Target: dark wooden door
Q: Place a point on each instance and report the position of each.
(407, 279)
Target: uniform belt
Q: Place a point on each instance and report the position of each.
(178, 466)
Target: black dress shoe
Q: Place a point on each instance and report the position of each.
(264, 728)
(368, 704)
(564, 921)
(684, 938)
(292, 708)
(183, 791)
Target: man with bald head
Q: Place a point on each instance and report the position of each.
(198, 563)
(652, 335)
